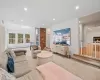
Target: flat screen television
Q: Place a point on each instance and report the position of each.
(62, 36)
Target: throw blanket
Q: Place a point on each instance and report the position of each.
(10, 65)
(51, 71)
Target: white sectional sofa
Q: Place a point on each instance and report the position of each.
(21, 67)
(20, 63)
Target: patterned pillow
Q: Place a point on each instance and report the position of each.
(4, 75)
(10, 52)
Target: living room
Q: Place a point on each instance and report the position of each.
(49, 40)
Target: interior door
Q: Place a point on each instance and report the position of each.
(43, 38)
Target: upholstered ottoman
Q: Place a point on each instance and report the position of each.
(43, 58)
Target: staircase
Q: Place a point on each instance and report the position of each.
(87, 60)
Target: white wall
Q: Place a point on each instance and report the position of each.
(14, 28)
(48, 31)
(91, 30)
(2, 38)
(73, 24)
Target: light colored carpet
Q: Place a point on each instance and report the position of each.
(81, 70)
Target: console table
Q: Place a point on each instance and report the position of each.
(60, 49)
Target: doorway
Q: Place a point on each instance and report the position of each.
(43, 38)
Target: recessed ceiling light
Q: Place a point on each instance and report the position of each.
(42, 24)
(21, 20)
(77, 7)
(25, 9)
(54, 19)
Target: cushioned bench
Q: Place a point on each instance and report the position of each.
(51, 71)
(18, 52)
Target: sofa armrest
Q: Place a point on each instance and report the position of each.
(39, 48)
(32, 50)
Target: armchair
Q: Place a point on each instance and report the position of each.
(35, 50)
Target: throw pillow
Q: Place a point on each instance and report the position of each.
(10, 65)
(10, 52)
(13, 54)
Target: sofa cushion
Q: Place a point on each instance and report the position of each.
(21, 69)
(4, 75)
(20, 58)
(33, 75)
(19, 64)
(3, 61)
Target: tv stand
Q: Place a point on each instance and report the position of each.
(60, 49)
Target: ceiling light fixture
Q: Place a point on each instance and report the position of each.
(42, 24)
(25, 9)
(53, 19)
(77, 7)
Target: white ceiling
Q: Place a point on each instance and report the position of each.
(92, 18)
(43, 11)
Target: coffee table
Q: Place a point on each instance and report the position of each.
(44, 57)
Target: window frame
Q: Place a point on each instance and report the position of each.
(18, 37)
(27, 38)
(13, 38)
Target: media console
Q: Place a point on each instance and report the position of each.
(60, 49)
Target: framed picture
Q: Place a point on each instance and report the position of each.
(62, 36)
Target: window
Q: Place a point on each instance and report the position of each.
(27, 38)
(11, 38)
(96, 39)
(37, 32)
(20, 38)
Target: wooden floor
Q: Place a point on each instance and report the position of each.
(87, 60)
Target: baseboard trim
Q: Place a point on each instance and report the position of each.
(88, 62)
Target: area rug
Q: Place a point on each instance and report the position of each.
(51, 71)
